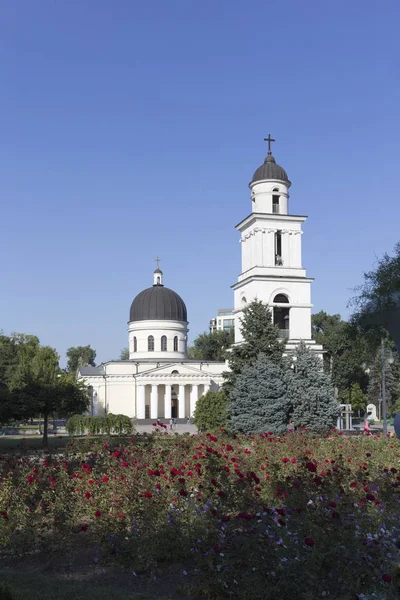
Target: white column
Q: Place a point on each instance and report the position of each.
(167, 402)
(181, 402)
(206, 388)
(140, 402)
(194, 396)
(154, 402)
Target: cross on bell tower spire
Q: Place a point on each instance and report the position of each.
(269, 139)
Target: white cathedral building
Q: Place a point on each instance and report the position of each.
(159, 381)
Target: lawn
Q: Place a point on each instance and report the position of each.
(205, 515)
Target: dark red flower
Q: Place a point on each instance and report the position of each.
(311, 467)
(386, 578)
(105, 479)
(148, 495)
(97, 513)
(84, 527)
(183, 492)
(309, 542)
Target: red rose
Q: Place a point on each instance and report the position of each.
(97, 513)
(309, 542)
(311, 467)
(386, 578)
(105, 479)
(183, 492)
(148, 495)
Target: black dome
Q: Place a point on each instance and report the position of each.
(158, 302)
(270, 170)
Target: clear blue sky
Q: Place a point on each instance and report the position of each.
(131, 129)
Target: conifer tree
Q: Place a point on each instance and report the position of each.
(310, 392)
(259, 400)
(260, 336)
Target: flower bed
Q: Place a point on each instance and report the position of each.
(260, 517)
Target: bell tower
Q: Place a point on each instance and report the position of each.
(272, 269)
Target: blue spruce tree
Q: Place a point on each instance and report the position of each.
(259, 400)
(310, 392)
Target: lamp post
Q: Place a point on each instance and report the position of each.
(390, 361)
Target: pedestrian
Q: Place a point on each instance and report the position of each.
(188, 421)
(175, 422)
(170, 424)
(367, 428)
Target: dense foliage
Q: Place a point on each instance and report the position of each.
(211, 346)
(211, 411)
(247, 517)
(107, 424)
(310, 392)
(259, 399)
(80, 356)
(260, 336)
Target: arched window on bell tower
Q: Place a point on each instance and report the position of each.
(275, 201)
(135, 344)
(176, 343)
(281, 316)
(278, 248)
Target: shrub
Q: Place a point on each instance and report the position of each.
(80, 424)
(211, 411)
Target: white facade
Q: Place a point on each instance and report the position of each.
(158, 381)
(151, 390)
(272, 269)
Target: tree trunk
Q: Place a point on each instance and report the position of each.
(45, 427)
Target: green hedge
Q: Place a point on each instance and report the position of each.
(82, 424)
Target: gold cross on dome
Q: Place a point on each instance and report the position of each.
(158, 260)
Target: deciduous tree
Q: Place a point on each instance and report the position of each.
(80, 356)
(211, 410)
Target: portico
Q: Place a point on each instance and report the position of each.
(175, 397)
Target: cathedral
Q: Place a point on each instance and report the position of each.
(159, 381)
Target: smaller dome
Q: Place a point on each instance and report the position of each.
(270, 170)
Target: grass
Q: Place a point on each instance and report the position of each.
(41, 587)
(34, 442)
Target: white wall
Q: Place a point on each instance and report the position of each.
(262, 192)
(143, 329)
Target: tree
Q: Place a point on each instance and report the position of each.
(211, 410)
(63, 396)
(356, 397)
(392, 378)
(124, 355)
(346, 351)
(378, 297)
(310, 392)
(80, 356)
(211, 346)
(16, 355)
(260, 336)
(259, 400)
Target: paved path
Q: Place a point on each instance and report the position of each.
(179, 428)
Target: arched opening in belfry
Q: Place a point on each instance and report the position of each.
(275, 201)
(278, 248)
(281, 315)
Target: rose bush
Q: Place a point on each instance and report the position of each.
(259, 517)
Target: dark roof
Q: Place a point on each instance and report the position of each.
(158, 270)
(270, 170)
(158, 303)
